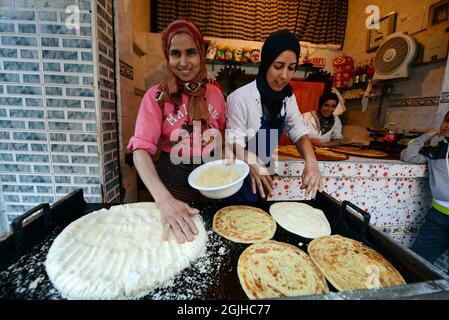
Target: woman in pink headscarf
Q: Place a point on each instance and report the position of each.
(172, 116)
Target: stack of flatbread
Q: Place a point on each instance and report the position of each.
(244, 224)
(272, 269)
(350, 265)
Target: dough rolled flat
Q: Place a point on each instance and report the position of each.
(272, 269)
(244, 224)
(301, 219)
(350, 265)
(118, 253)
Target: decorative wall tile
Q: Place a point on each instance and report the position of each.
(126, 70)
(20, 66)
(414, 102)
(9, 14)
(8, 53)
(47, 16)
(18, 41)
(49, 42)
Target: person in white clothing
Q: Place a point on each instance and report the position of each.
(260, 111)
(325, 128)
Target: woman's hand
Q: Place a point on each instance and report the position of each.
(260, 180)
(177, 215)
(316, 142)
(311, 179)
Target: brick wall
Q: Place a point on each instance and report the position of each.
(106, 75)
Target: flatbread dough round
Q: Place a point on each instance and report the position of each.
(272, 269)
(244, 224)
(301, 219)
(350, 265)
(118, 253)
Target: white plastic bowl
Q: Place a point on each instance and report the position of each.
(221, 191)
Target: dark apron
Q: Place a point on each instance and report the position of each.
(270, 142)
(174, 177)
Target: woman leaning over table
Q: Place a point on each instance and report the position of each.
(258, 113)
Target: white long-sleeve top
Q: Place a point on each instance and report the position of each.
(313, 124)
(245, 112)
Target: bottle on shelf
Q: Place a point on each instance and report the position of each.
(371, 69)
(363, 79)
(357, 75)
(391, 135)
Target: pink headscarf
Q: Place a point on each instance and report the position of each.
(196, 89)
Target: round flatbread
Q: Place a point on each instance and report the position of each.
(350, 265)
(244, 224)
(272, 269)
(301, 219)
(118, 253)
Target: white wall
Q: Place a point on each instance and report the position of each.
(414, 102)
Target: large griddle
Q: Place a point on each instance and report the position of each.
(23, 276)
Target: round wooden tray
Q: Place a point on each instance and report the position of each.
(355, 151)
(291, 153)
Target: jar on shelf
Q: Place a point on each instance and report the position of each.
(238, 54)
(220, 52)
(229, 53)
(246, 54)
(255, 55)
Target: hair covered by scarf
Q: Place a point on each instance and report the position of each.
(171, 86)
(276, 43)
(326, 124)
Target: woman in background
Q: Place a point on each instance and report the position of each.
(325, 128)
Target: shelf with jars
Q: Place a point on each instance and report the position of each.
(242, 57)
(352, 93)
(306, 67)
(358, 91)
(353, 83)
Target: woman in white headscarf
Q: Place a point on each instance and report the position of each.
(324, 126)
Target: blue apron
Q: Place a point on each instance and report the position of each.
(269, 143)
